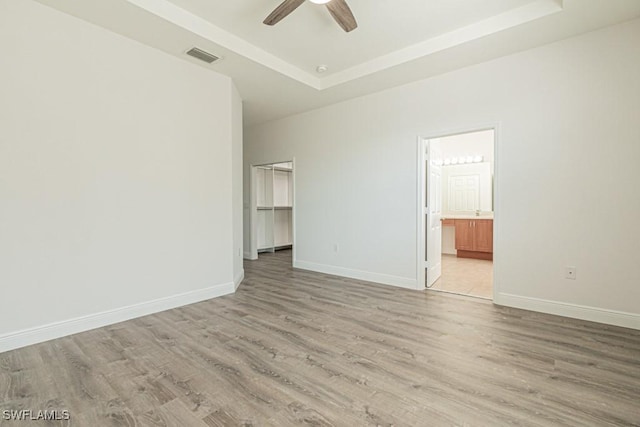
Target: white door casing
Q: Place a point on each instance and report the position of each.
(433, 244)
(421, 197)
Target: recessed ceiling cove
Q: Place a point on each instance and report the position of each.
(387, 35)
(275, 68)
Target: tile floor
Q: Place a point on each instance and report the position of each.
(466, 276)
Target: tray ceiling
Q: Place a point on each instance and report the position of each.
(396, 42)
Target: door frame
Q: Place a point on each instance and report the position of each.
(421, 195)
(253, 215)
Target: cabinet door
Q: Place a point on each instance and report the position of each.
(464, 235)
(483, 235)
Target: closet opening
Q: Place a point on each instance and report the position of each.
(457, 218)
(272, 210)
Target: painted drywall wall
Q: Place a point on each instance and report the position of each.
(449, 240)
(566, 159)
(469, 144)
(236, 164)
(246, 216)
(115, 179)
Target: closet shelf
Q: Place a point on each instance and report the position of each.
(274, 207)
(268, 208)
(283, 245)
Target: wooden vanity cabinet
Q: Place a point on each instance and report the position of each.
(474, 238)
(464, 235)
(483, 235)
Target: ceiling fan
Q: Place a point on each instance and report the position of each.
(339, 9)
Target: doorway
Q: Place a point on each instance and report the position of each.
(272, 206)
(457, 219)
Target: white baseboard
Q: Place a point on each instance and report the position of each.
(247, 255)
(54, 330)
(385, 279)
(238, 279)
(593, 314)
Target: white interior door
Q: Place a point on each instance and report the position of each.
(464, 193)
(433, 263)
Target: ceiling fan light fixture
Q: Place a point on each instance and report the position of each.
(339, 10)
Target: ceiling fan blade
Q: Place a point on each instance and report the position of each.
(280, 12)
(341, 12)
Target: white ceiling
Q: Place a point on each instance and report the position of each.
(309, 36)
(397, 41)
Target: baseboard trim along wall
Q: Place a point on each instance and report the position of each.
(385, 279)
(238, 279)
(51, 331)
(593, 314)
(247, 255)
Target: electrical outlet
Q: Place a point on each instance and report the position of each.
(570, 273)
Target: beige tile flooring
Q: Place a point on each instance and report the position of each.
(466, 276)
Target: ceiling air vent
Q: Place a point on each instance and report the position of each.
(202, 55)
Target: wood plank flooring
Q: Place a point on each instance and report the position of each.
(300, 348)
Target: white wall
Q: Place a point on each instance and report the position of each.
(469, 144)
(569, 142)
(449, 240)
(115, 177)
(236, 162)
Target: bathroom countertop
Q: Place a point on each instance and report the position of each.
(469, 216)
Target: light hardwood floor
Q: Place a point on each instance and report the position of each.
(300, 348)
(466, 276)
